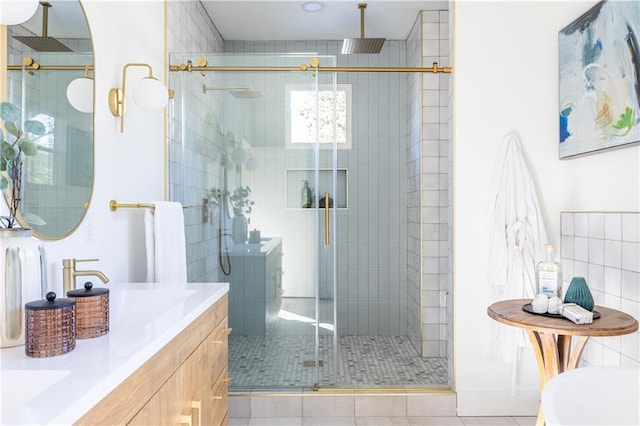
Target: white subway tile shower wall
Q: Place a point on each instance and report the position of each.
(372, 232)
(604, 248)
(429, 187)
(191, 30)
(414, 128)
(436, 284)
(448, 148)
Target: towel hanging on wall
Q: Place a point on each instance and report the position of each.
(516, 242)
(165, 243)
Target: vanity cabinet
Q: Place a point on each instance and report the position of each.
(255, 287)
(184, 383)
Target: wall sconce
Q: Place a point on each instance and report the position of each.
(13, 12)
(149, 93)
(80, 92)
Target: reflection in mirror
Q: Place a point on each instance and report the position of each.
(58, 181)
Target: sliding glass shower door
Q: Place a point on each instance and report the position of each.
(253, 142)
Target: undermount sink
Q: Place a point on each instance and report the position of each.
(19, 387)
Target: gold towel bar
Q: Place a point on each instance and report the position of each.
(114, 205)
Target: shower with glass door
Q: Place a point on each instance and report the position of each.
(304, 214)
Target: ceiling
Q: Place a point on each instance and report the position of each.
(66, 20)
(272, 20)
(286, 20)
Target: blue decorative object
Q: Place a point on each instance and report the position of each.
(578, 293)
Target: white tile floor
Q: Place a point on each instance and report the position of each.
(384, 421)
(330, 410)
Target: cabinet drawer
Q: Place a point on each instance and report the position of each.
(219, 400)
(218, 349)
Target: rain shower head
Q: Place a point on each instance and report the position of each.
(246, 94)
(239, 92)
(43, 43)
(362, 44)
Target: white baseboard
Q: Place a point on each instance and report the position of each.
(498, 403)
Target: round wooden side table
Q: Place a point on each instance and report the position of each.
(551, 338)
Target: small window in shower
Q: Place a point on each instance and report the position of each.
(301, 117)
(41, 167)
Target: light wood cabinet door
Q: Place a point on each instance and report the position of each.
(192, 392)
(196, 373)
(217, 380)
(167, 406)
(218, 411)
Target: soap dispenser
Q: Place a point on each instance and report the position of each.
(306, 195)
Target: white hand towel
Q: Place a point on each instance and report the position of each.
(165, 243)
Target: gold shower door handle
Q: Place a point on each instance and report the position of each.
(326, 218)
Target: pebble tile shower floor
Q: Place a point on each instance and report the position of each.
(284, 358)
(272, 363)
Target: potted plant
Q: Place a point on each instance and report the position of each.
(240, 201)
(16, 144)
(242, 206)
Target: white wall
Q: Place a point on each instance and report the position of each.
(129, 167)
(505, 77)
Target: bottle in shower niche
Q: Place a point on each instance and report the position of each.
(306, 195)
(549, 275)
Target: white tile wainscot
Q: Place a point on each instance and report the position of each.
(604, 248)
(146, 321)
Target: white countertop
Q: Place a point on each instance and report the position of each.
(143, 318)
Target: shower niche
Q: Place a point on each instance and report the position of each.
(294, 182)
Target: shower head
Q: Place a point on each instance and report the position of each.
(238, 92)
(43, 43)
(362, 44)
(246, 94)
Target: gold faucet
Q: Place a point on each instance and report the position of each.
(69, 274)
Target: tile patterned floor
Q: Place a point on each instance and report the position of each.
(272, 363)
(285, 357)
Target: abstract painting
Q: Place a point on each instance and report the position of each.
(599, 90)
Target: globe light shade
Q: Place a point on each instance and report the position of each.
(80, 94)
(150, 95)
(13, 12)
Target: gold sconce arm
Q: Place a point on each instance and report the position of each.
(86, 70)
(117, 96)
